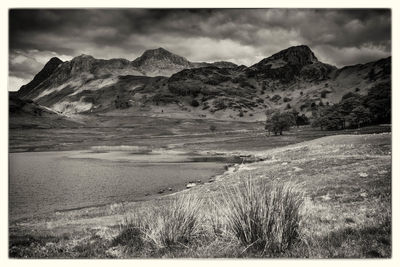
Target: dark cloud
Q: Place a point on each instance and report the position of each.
(337, 36)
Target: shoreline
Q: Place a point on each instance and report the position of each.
(255, 156)
(154, 195)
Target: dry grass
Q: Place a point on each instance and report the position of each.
(168, 227)
(264, 217)
(251, 219)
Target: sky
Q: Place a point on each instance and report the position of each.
(244, 36)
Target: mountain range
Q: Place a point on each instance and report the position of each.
(160, 83)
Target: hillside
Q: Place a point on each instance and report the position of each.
(28, 114)
(291, 78)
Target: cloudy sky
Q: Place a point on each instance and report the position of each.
(337, 36)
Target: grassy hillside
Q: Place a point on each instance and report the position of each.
(342, 185)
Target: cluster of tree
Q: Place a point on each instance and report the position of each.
(300, 119)
(355, 110)
(278, 121)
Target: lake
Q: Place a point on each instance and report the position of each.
(42, 182)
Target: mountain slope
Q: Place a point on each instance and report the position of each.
(292, 78)
(47, 70)
(28, 114)
(297, 62)
(87, 74)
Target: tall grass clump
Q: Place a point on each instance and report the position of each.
(173, 225)
(264, 217)
(178, 223)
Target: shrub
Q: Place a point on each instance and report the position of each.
(194, 103)
(213, 128)
(265, 218)
(164, 98)
(324, 93)
(275, 98)
(219, 104)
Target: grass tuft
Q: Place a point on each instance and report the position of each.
(265, 218)
(164, 228)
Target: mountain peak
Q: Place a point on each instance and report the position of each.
(296, 55)
(160, 50)
(160, 62)
(54, 60)
(47, 70)
(83, 56)
(158, 53)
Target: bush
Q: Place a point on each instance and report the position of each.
(275, 98)
(164, 98)
(324, 93)
(194, 103)
(219, 104)
(265, 218)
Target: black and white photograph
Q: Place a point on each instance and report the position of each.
(192, 133)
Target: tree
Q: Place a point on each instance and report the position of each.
(355, 110)
(359, 116)
(378, 101)
(329, 118)
(278, 122)
(302, 120)
(213, 128)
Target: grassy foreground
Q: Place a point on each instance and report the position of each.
(325, 198)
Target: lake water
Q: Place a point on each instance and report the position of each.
(41, 182)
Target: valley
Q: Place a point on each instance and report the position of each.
(95, 142)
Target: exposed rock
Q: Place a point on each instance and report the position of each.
(160, 62)
(326, 197)
(297, 169)
(190, 185)
(161, 191)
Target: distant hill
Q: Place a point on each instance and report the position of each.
(160, 83)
